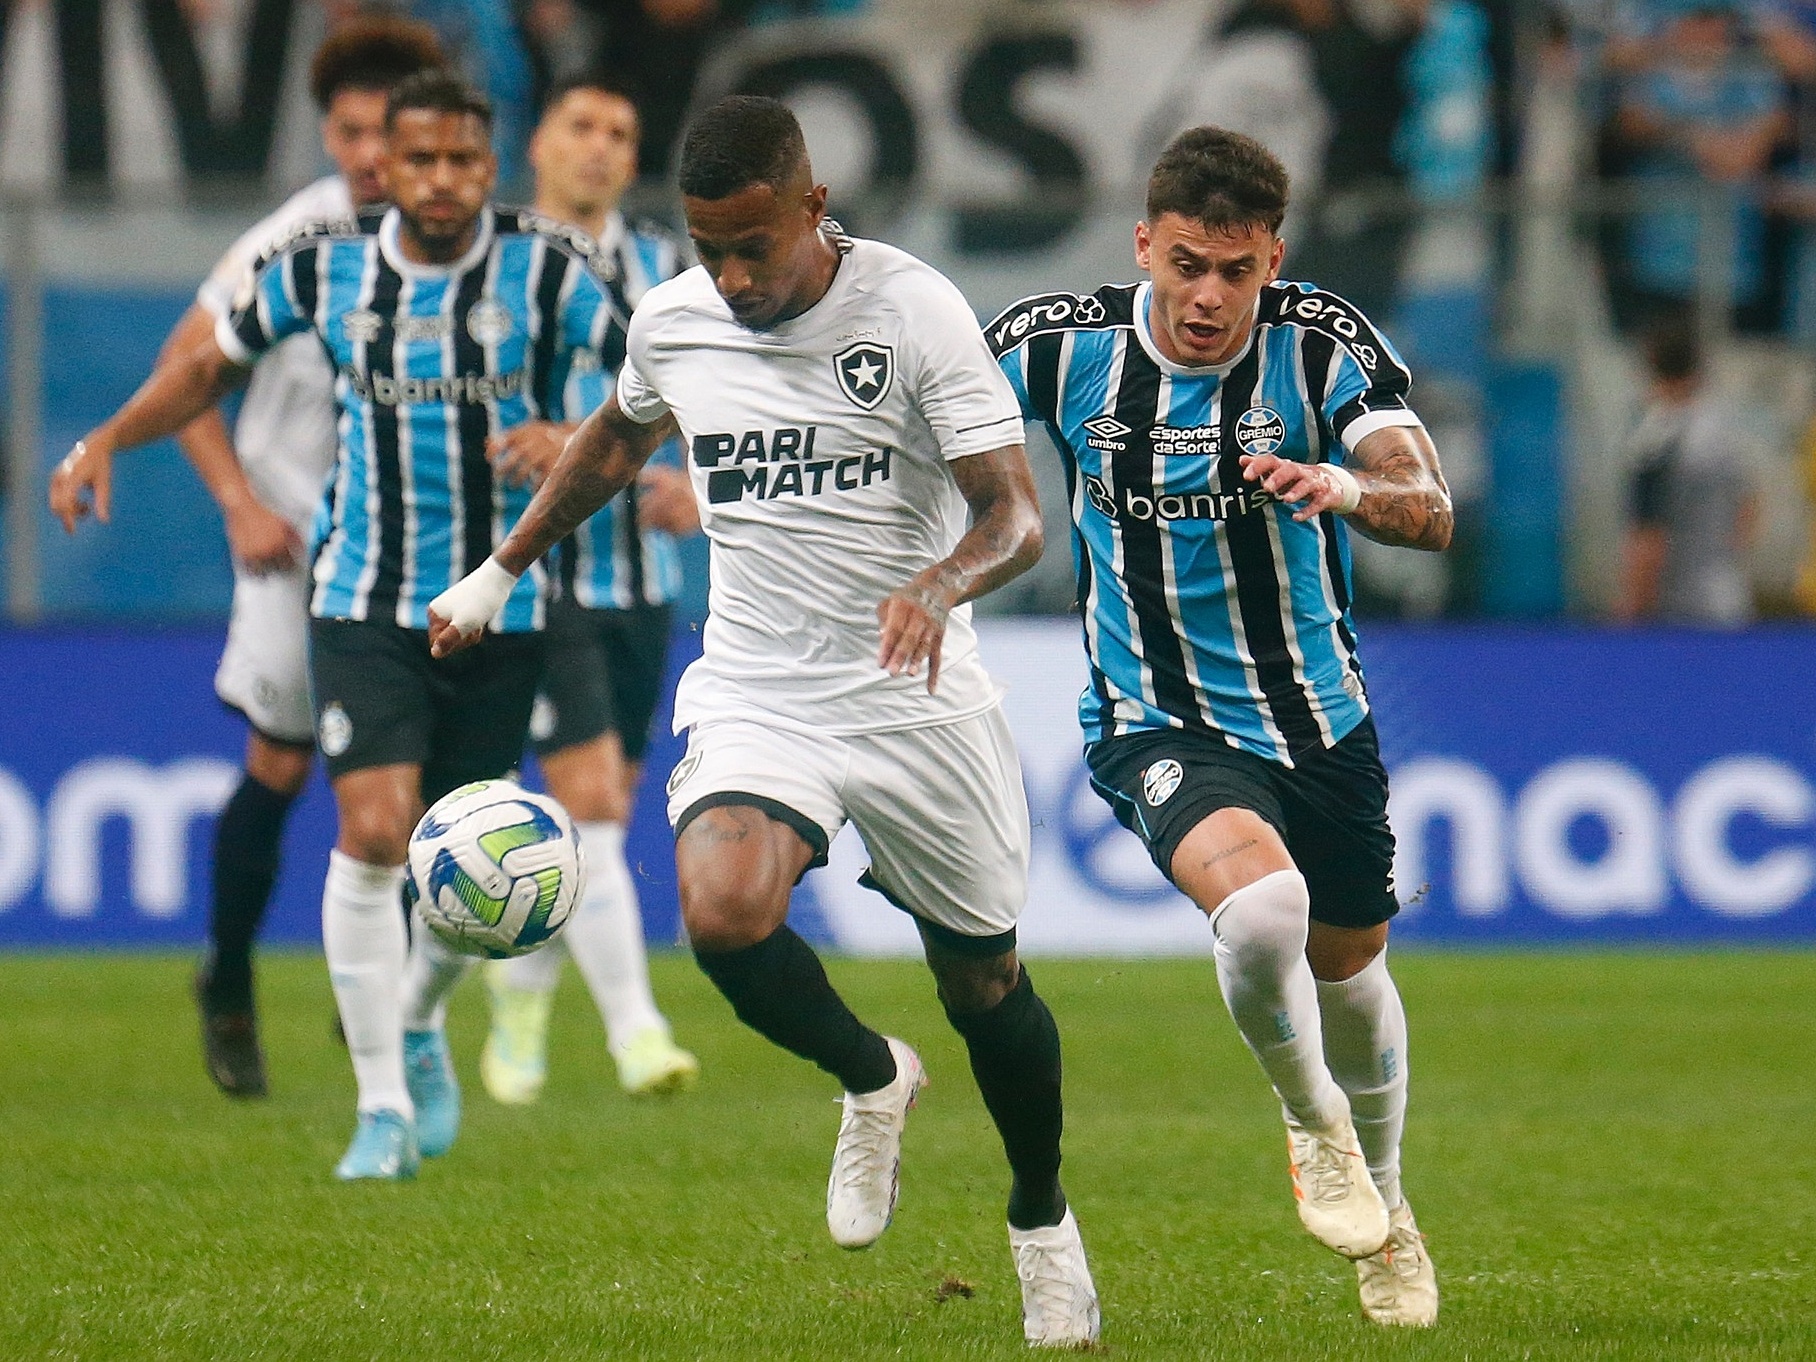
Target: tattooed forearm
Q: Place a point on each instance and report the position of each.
(1404, 498)
(1005, 538)
(600, 460)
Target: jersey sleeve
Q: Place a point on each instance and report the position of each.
(275, 300)
(966, 398)
(1365, 381)
(637, 395)
(593, 315)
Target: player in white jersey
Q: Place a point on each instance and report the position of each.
(842, 420)
(607, 640)
(267, 478)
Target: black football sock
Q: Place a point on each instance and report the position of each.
(246, 848)
(1015, 1057)
(779, 989)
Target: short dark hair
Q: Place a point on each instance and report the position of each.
(1219, 178)
(601, 82)
(1673, 349)
(741, 141)
(439, 92)
(375, 53)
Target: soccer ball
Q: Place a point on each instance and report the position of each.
(495, 869)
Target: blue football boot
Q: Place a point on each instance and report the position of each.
(384, 1148)
(433, 1089)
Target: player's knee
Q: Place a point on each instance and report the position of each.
(1339, 953)
(972, 984)
(727, 907)
(280, 767)
(375, 831)
(1266, 922)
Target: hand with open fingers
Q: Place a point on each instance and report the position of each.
(459, 616)
(1312, 488)
(665, 500)
(913, 626)
(86, 469)
(523, 455)
(261, 540)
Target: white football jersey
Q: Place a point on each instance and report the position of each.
(818, 453)
(286, 435)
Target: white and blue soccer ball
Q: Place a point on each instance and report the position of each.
(495, 869)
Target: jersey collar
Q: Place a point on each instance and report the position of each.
(389, 227)
(1143, 295)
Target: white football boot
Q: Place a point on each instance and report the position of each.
(1059, 1300)
(1338, 1201)
(1399, 1284)
(866, 1162)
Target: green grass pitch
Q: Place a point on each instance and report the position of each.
(1610, 1155)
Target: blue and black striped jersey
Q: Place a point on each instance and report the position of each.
(1205, 605)
(614, 561)
(431, 362)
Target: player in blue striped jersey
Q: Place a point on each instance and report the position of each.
(1220, 430)
(607, 637)
(448, 321)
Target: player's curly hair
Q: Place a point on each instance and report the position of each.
(741, 141)
(373, 53)
(1219, 178)
(438, 91)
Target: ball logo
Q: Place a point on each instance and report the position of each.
(1259, 430)
(335, 730)
(489, 323)
(362, 326)
(1159, 782)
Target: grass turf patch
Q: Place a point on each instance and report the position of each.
(1605, 1151)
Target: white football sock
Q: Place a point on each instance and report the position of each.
(434, 968)
(606, 938)
(363, 938)
(1365, 1046)
(1261, 968)
(537, 972)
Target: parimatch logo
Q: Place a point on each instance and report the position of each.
(765, 465)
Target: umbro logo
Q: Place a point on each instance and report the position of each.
(865, 372)
(1105, 432)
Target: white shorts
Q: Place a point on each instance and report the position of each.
(264, 671)
(941, 810)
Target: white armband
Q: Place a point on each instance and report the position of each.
(475, 600)
(1347, 485)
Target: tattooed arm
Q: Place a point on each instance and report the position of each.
(599, 460)
(1003, 542)
(1404, 499)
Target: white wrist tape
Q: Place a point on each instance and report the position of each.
(472, 602)
(1347, 485)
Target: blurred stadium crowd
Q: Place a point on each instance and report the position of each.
(1533, 196)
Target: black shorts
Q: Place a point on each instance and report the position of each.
(1330, 810)
(381, 700)
(603, 674)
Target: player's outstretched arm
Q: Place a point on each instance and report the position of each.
(599, 461)
(1004, 541)
(259, 538)
(1393, 491)
(178, 390)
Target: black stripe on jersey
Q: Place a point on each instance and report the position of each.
(1042, 373)
(303, 281)
(633, 546)
(1317, 352)
(1258, 584)
(387, 452)
(473, 425)
(1137, 406)
(543, 384)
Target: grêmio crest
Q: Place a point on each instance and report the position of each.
(865, 372)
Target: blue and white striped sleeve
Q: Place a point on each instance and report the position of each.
(1367, 382)
(276, 300)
